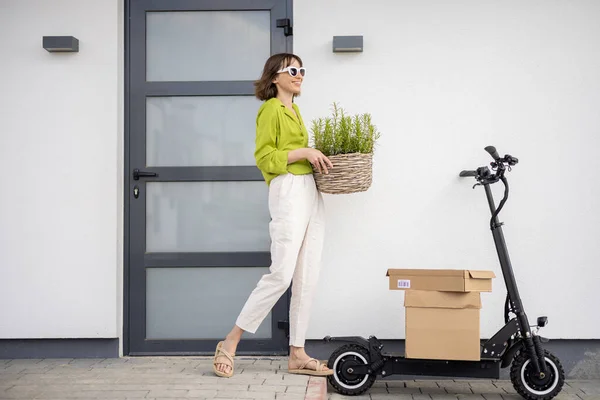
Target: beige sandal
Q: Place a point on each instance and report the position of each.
(318, 371)
(220, 352)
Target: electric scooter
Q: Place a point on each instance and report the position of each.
(535, 372)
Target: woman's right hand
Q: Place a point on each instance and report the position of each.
(318, 160)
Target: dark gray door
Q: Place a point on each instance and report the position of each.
(196, 205)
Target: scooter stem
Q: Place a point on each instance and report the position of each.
(510, 281)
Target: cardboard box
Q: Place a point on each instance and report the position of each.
(442, 325)
(446, 280)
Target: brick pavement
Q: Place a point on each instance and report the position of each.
(256, 378)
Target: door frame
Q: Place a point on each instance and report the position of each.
(127, 178)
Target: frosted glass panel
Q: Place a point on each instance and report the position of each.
(181, 302)
(201, 131)
(207, 217)
(207, 45)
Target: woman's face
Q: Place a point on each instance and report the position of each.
(288, 83)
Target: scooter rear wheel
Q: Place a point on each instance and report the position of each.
(533, 387)
(343, 380)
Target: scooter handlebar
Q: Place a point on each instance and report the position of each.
(493, 152)
(499, 164)
(467, 173)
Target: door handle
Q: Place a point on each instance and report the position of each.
(137, 173)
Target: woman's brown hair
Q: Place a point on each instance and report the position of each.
(264, 88)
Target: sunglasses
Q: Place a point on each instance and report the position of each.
(293, 71)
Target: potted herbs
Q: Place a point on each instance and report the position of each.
(348, 141)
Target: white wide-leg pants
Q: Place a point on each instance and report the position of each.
(297, 234)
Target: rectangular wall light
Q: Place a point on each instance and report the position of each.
(347, 44)
(62, 44)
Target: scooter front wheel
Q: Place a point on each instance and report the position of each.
(342, 361)
(532, 387)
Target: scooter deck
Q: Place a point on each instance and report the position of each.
(398, 364)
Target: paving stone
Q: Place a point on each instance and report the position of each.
(378, 390)
(589, 389)
(337, 396)
(572, 390)
(83, 362)
(19, 394)
(392, 384)
(169, 398)
(218, 386)
(589, 396)
(106, 386)
(295, 389)
(24, 361)
(422, 384)
(13, 369)
(388, 396)
(168, 393)
(24, 390)
(506, 385)
(421, 397)
(245, 394)
(295, 378)
(203, 393)
(569, 396)
(221, 398)
(55, 361)
(278, 381)
(255, 379)
(485, 388)
(265, 388)
(287, 382)
(112, 394)
(435, 391)
(492, 396)
(404, 390)
(254, 370)
(266, 362)
(181, 380)
(456, 387)
(289, 396)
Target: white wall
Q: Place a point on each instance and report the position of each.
(443, 80)
(60, 157)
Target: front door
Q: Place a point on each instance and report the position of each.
(196, 205)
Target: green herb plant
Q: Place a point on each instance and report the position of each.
(344, 134)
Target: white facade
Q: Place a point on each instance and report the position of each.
(442, 81)
(61, 153)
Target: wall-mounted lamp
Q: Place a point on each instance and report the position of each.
(61, 44)
(347, 44)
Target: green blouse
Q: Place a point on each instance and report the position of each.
(278, 131)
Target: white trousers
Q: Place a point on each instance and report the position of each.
(297, 234)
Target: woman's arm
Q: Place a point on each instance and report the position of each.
(268, 157)
(314, 156)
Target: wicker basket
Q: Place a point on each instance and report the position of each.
(351, 173)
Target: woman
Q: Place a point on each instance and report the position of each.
(296, 207)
